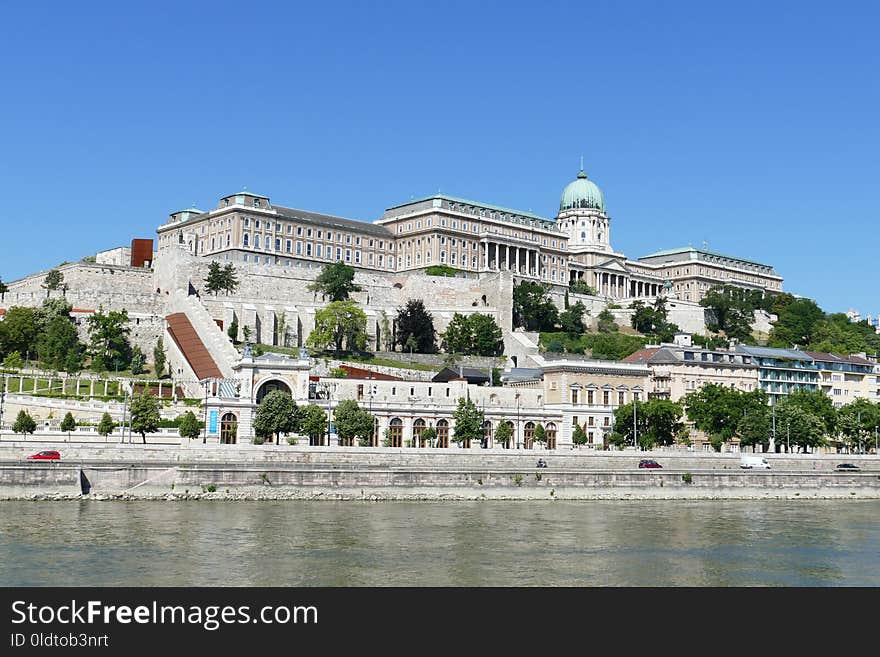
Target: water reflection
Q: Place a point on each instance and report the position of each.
(589, 543)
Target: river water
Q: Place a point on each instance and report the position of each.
(486, 543)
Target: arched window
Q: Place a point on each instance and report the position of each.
(528, 435)
(268, 243)
(418, 427)
(442, 433)
(395, 432)
(551, 435)
(228, 429)
(583, 235)
(246, 239)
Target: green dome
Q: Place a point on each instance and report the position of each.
(582, 193)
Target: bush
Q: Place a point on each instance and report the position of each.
(210, 488)
(441, 270)
(259, 440)
(687, 478)
(291, 440)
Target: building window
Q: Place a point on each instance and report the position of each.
(299, 230)
(299, 248)
(309, 249)
(620, 396)
(268, 243)
(277, 245)
(606, 397)
(246, 239)
(357, 256)
(287, 246)
(338, 253)
(348, 255)
(318, 250)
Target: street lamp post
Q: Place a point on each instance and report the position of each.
(205, 433)
(124, 413)
(518, 442)
(635, 425)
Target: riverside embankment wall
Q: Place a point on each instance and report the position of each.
(323, 476)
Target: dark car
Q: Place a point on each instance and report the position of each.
(45, 455)
(844, 467)
(649, 463)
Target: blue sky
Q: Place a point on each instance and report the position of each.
(752, 126)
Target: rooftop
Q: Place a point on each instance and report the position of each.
(479, 204)
(690, 249)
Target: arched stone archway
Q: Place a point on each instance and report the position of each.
(271, 385)
(487, 434)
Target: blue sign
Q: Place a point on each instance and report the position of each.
(212, 421)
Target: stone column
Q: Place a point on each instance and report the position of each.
(509, 254)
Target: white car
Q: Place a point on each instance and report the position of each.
(754, 463)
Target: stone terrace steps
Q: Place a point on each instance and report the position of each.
(191, 346)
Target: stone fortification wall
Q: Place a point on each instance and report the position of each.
(267, 293)
(89, 286)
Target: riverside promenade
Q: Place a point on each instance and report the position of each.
(197, 471)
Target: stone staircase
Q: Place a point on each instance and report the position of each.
(212, 337)
(525, 347)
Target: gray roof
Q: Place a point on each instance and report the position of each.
(329, 221)
(771, 352)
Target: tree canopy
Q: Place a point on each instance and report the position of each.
(413, 321)
(468, 422)
(351, 422)
(335, 281)
(658, 422)
(731, 310)
(54, 279)
(276, 414)
(144, 414)
(533, 309)
(108, 335)
(189, 426)
(342, 324)
(476, 335)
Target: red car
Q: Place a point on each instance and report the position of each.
(45, 455)
(649, 463)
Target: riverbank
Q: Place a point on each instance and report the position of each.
(239, 473)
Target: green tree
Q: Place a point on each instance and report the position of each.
(137, 361)
(717, 409)
(24, 423)
(540, 434)
(57, 341)
(428, 435)
(106, 425)
(475, 334)
(798, 426)
(3, 289)
(188, 426)
(572, 320)
(108, 335)
(232, 330)
(276, 414)
(68, 424)
(385, 328)
(416, 322)
(754, 427)
(817, 403)
(13, 361)
(351, 422)
(856, 422)
(19, 330)
(533, 308)
(578, 435)
(53, 280)
(606, 323)
(214, 280)
(658, 422)
(795, 324)
(468, 422)
(313, 423)
(246, 332)
(159, 358)
(613, 346)
(503, 434)
(580, 287)
(731, 310)
(340, 324)
(229, 278)
(335, 281)
(144, 414)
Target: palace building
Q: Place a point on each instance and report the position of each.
(471, 237)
